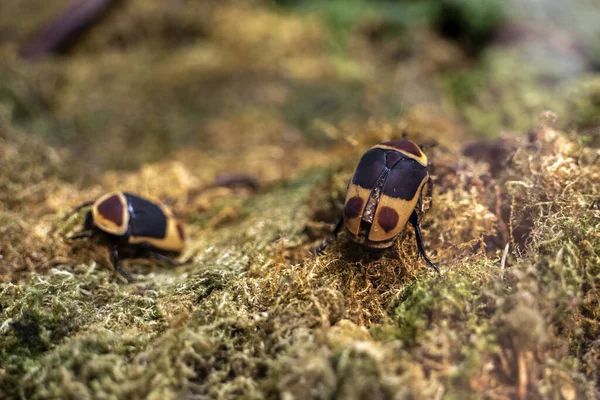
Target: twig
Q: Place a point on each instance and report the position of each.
(503, 260)
(60, 34)
(523, 377)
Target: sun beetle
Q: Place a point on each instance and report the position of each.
(126, 221)
(384, 194)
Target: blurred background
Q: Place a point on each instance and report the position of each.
(119, 83)
(165, 97)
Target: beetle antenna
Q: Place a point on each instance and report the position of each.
(76, 209)
(429, 145)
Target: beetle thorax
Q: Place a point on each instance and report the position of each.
(111, 213)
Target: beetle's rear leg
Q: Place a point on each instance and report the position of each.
(146, 250)
(330, 238)
(161, 257)
(414, 220)
(115, 256)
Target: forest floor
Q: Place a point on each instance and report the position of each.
(163, 99)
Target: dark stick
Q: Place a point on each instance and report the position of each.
(229, 181)
(60, 34)
(233, 180)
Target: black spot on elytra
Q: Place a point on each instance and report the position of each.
(387, 219)
(354, 207)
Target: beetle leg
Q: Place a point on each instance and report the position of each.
(83, 235)
(429, 192)
(414, 220)
(330, 238)
(115, 255)
(429, 196)
(161, 257)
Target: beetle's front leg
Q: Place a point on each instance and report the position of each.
(330, 238)
(414, 220)
(115, 259)
(429, 195)
(84, 235)
(430, 192)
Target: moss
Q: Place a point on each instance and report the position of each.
(471, 23)
(425, 303)
(583, 104)
(491, 97)
(251, 312)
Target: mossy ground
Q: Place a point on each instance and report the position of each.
(159, 100)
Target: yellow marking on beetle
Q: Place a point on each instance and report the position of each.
(403, 208)
(106, 224)
(353, 224)
(377, 245)
(171, 242)
(422, 159)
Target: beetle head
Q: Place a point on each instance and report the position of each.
(88, 224)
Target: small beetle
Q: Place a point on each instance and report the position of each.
(383, 196)
(123, 220)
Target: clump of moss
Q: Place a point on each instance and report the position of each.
(252, 312)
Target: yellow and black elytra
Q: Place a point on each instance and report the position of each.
(125, 221)
(383, 195)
